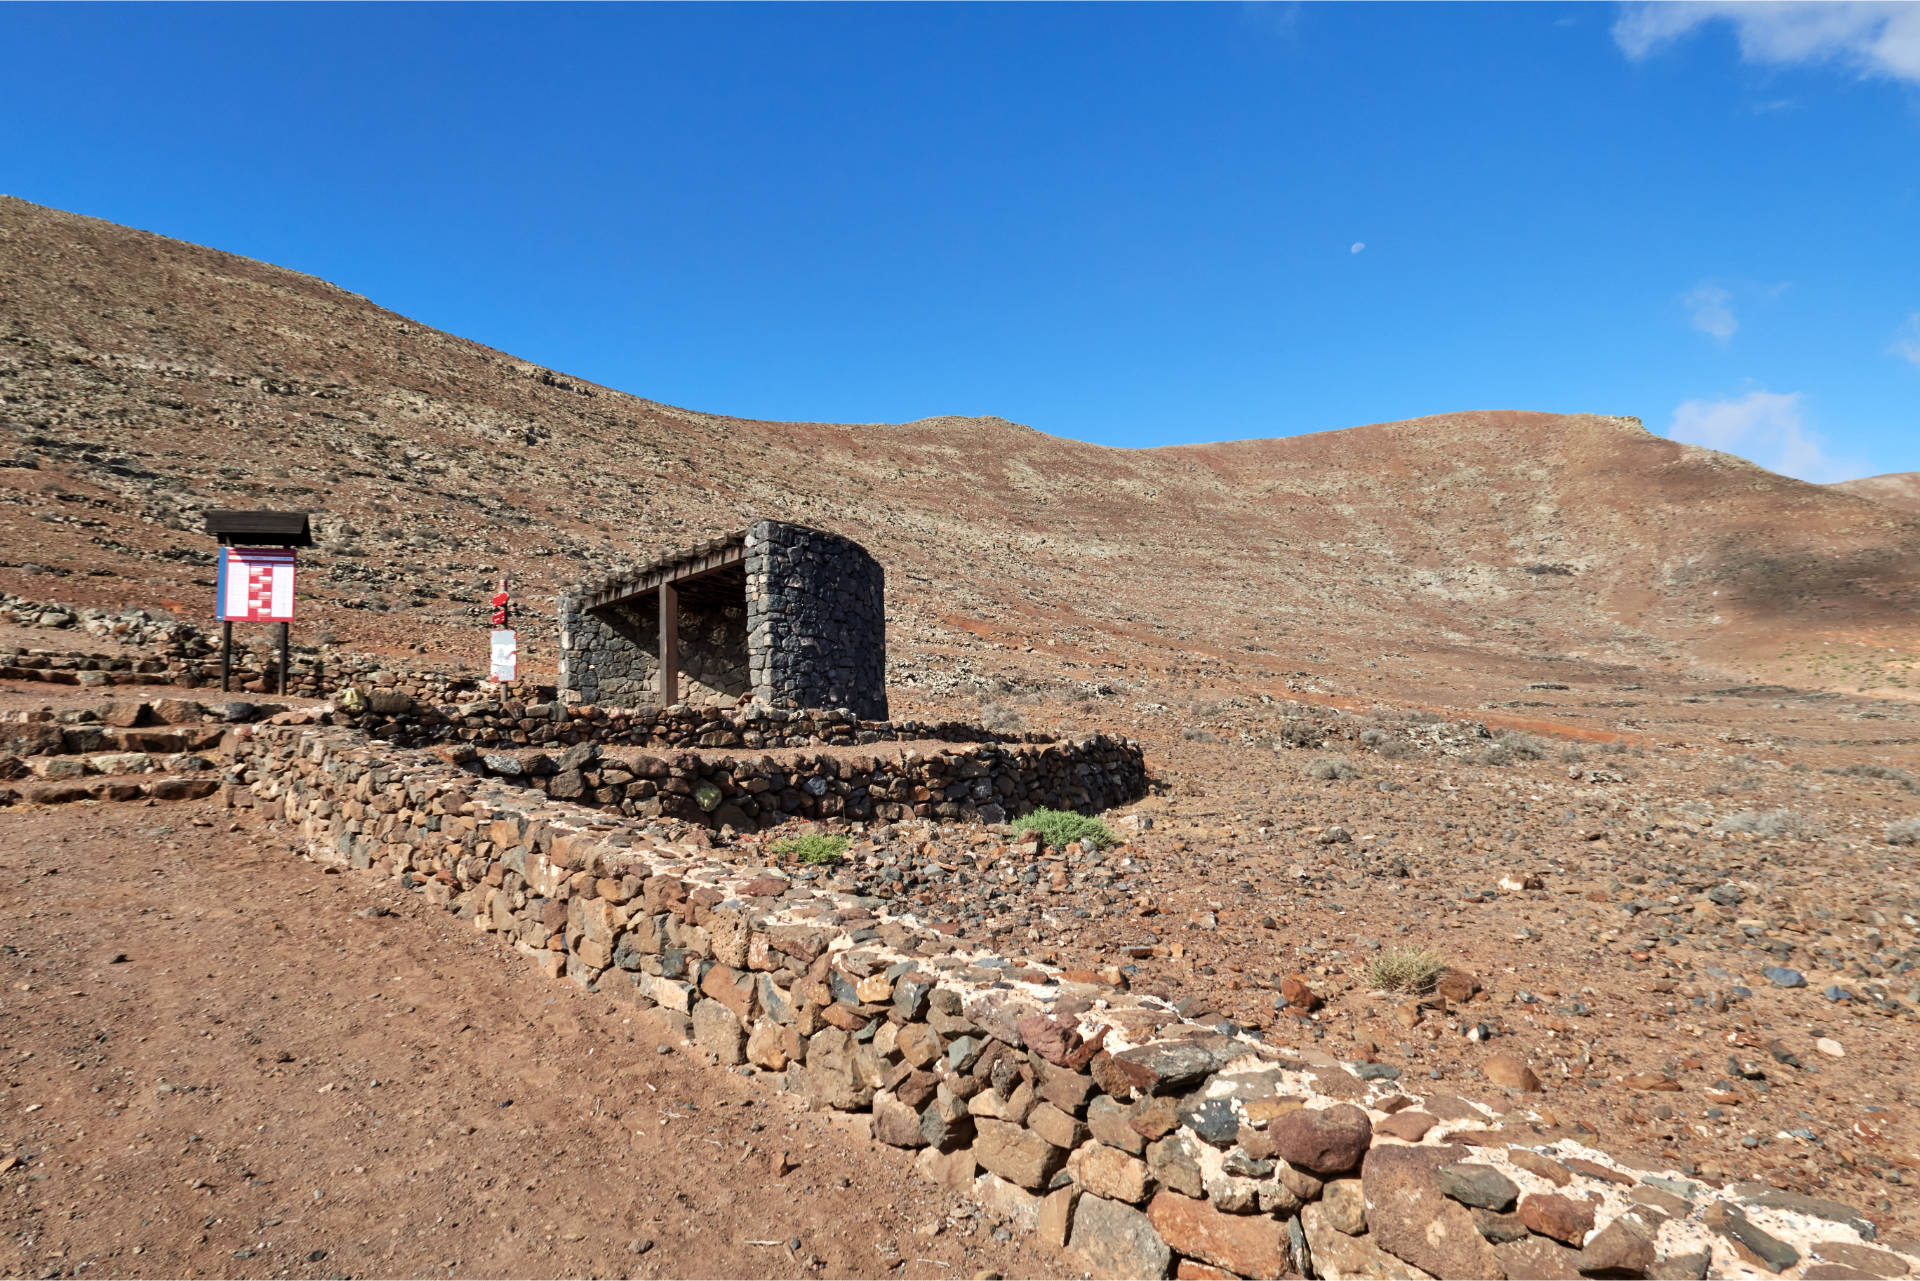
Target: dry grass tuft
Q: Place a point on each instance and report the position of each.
(1405, 969)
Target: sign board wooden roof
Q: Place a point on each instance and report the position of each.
(260, 528)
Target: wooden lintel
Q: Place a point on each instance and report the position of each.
(678, 571)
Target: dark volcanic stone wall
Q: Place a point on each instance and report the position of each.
(816, 620)
(612, 657)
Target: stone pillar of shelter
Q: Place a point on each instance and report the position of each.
(816, 620)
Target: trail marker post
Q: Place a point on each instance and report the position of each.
(254, 582)
(503, 649)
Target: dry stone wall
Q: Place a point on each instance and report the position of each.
(613, 656)
(1140, 1143)
(537, 719)
(816, 620)
(985, 783)
(594, 756)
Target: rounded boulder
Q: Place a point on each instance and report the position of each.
(1323, 1141)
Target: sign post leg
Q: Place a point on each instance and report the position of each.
(283, 658)
(226, 657)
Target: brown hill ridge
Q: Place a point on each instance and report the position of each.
(143, 380)
(1900, 490)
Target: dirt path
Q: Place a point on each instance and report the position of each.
(274, 1083)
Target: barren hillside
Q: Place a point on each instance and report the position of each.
(144, 380)
(1899, 490)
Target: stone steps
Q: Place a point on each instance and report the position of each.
(136, 787)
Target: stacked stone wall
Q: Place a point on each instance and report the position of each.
(1139, 1142)
(310, 677)
(985, 783)
(534, 721)
(613, 656)
(599, 756)
(816, 620)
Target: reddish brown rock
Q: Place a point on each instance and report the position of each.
(1409, 1126)
(1408, 1215)
(1456, 985)
(1880, 1263)
(1054, 1038)
(1594, 1170)
(765, 887)
(1624, 1248)
(1322, 1141)
(1512, 1072)
(1339, 1257)
(1298, 996)
(1556, 1216)
(1156, 1118)
(1546, 1167)
(1248, 1245)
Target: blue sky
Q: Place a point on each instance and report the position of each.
(1135, 225)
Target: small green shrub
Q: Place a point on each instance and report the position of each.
(817, 849)
(1405, 969)
(1904, 831)
(1059, 828)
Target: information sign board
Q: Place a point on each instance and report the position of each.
(255, 585)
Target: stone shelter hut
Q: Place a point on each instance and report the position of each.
(783, 615)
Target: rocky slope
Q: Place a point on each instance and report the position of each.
(1899, 490)
(143, 380)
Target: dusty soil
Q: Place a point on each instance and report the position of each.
(274, 1083)
(1594, 879)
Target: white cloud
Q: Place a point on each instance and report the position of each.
(1906, 343)
(1358, 245)
(1711, 310)
(1873, 38)
(1767, 427)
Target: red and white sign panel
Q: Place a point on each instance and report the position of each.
(255, 585)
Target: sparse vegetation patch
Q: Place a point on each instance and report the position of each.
(1903, 778)
(1059, 828)
(1405, 969)
(817, 848)
(1328, 768)
(1779, 824)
